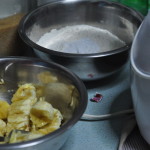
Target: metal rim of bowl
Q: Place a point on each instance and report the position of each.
(24, 37)
(66, 126)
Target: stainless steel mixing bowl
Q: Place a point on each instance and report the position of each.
(15, 70)
(114, 17)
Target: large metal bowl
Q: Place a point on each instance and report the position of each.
(114, 17)
(15, 70)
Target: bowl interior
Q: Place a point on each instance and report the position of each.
(119, 20)
(15, 71)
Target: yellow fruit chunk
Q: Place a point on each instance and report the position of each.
(17, 121)
(40, 89)
(2, 128)
(16, 137)
(26, 91)
(41, 113)
(30, 112)
(20, 107)
(4, 107)
(53, 125)
(17, 118)
(22, 101)
(46, 77)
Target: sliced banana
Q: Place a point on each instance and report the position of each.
(4, 107)
(2, 127)
(29, 112)
(26, 91)
(41, 113)
(54, 124)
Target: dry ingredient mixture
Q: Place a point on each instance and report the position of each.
(9, 39)
(81, 39)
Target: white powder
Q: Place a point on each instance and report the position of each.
(83, 39)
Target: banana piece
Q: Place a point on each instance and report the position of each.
(4, 107)
(46, 77)
(2, 127)
(18, 121)
(21, 107)
(29, 112)
(25, 91)
(41, 113)
(53, 125)
(22, 101)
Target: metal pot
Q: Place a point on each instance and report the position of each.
(14, 70)
(116, 18)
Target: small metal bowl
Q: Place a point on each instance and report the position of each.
(114, 17)
(14, 70)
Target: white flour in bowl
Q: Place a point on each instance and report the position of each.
(81, 39)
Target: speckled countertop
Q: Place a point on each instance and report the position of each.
(103, 135)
